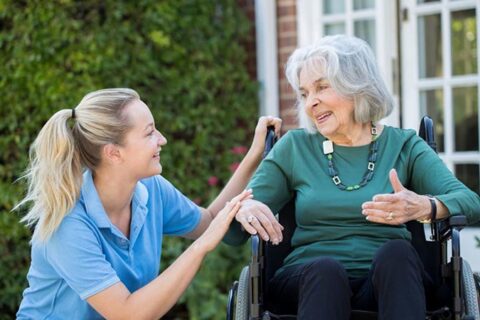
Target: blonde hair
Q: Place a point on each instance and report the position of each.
(349, 65)
(62, 151)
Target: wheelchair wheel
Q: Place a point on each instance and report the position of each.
(469, 292)
(242, 302)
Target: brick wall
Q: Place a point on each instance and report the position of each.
(287, 42)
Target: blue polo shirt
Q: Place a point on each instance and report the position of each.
(88, 254)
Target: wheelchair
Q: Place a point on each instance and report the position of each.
(458, 288)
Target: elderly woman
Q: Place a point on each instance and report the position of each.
(356, 183)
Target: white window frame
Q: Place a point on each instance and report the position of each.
(310, 22)
(412, 84)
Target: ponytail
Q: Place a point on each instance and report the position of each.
(60, 153)
(54, 176)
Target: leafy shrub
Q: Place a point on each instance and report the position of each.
(186, 60)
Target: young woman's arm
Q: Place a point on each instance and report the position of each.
(241, 177)
(156, 298)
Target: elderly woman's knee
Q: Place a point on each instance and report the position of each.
(396, 253)
(324, 268)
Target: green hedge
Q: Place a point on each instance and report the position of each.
(186, 60)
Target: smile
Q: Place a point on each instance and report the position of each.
(323, 117)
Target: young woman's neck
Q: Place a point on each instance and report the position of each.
(115, 191)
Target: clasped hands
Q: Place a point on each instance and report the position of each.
(396, 208)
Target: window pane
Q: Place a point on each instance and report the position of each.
(469, 175)
(431, 104)
(363, 4)
(365, 29)
(465, 117)
(464, 42)
(430, 46)
(334, 28)
(333, 6)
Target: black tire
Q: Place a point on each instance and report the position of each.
(469, 292)
(242, 305)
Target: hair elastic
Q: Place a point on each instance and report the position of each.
(73, 113)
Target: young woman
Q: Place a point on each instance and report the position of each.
(101, 209)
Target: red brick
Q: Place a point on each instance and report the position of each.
(287, 41)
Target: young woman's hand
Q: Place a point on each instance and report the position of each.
(219, 225)
(258, 144)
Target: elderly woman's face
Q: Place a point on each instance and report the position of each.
(332, 114)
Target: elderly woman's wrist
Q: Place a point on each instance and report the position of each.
(430, 211)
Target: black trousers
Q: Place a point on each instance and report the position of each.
(321, 289)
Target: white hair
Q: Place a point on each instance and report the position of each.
(348, 64)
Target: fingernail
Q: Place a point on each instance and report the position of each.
(364, 212)
(266, 238)
(367, 218)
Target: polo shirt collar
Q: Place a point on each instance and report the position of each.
(96, 211)
(93, 204)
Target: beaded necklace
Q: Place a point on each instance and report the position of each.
(372, 157)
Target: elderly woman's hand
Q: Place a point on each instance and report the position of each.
(256, 217)
(258, 143)
(399, 207)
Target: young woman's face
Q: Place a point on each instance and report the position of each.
(332, 114)
(142, 144)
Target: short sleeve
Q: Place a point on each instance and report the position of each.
(429, 175)
(180, 215)
(75, 253)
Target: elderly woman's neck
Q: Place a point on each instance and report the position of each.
(352, 136)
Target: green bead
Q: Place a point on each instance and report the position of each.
(356, 187)
(349, 188)
(329, 156)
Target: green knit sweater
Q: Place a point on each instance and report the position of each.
(329, 220)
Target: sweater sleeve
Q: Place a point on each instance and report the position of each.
(429, 175)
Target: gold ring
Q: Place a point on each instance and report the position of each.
(390, 216)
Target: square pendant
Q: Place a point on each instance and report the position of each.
(327, 147)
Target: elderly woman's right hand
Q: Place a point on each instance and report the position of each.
(256, 217)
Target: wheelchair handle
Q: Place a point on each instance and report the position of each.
(427, 132)
(270, 140)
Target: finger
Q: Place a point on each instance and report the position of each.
(261, 231)
(231, 214)
(375, 213)
(396, 184)
(376, 219)
(248, 228)
(243, 195)
(277, 124)
(278, 228)
(387, 197)
(385, 206)
(268, 226)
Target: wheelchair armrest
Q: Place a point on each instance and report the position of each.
(443, 227)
